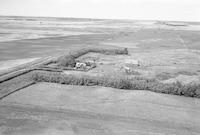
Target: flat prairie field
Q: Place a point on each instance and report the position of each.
(47, 108)
(127, 60)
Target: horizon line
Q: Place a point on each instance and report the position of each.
(36, 16)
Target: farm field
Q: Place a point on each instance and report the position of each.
(96, 110)
(140, 77)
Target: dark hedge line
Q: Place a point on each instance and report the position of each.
(189, 90)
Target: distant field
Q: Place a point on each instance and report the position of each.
(28, 37)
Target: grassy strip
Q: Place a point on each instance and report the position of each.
(15, 84)
(189, 90)
(49, 69)
(60, 69)
(12, 75)
(10, 90)
(24, 71)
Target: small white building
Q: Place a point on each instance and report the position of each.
(80, 65)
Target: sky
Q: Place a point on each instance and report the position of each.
(173, 10)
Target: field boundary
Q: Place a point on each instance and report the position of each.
(37, 66)
(39, 74)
